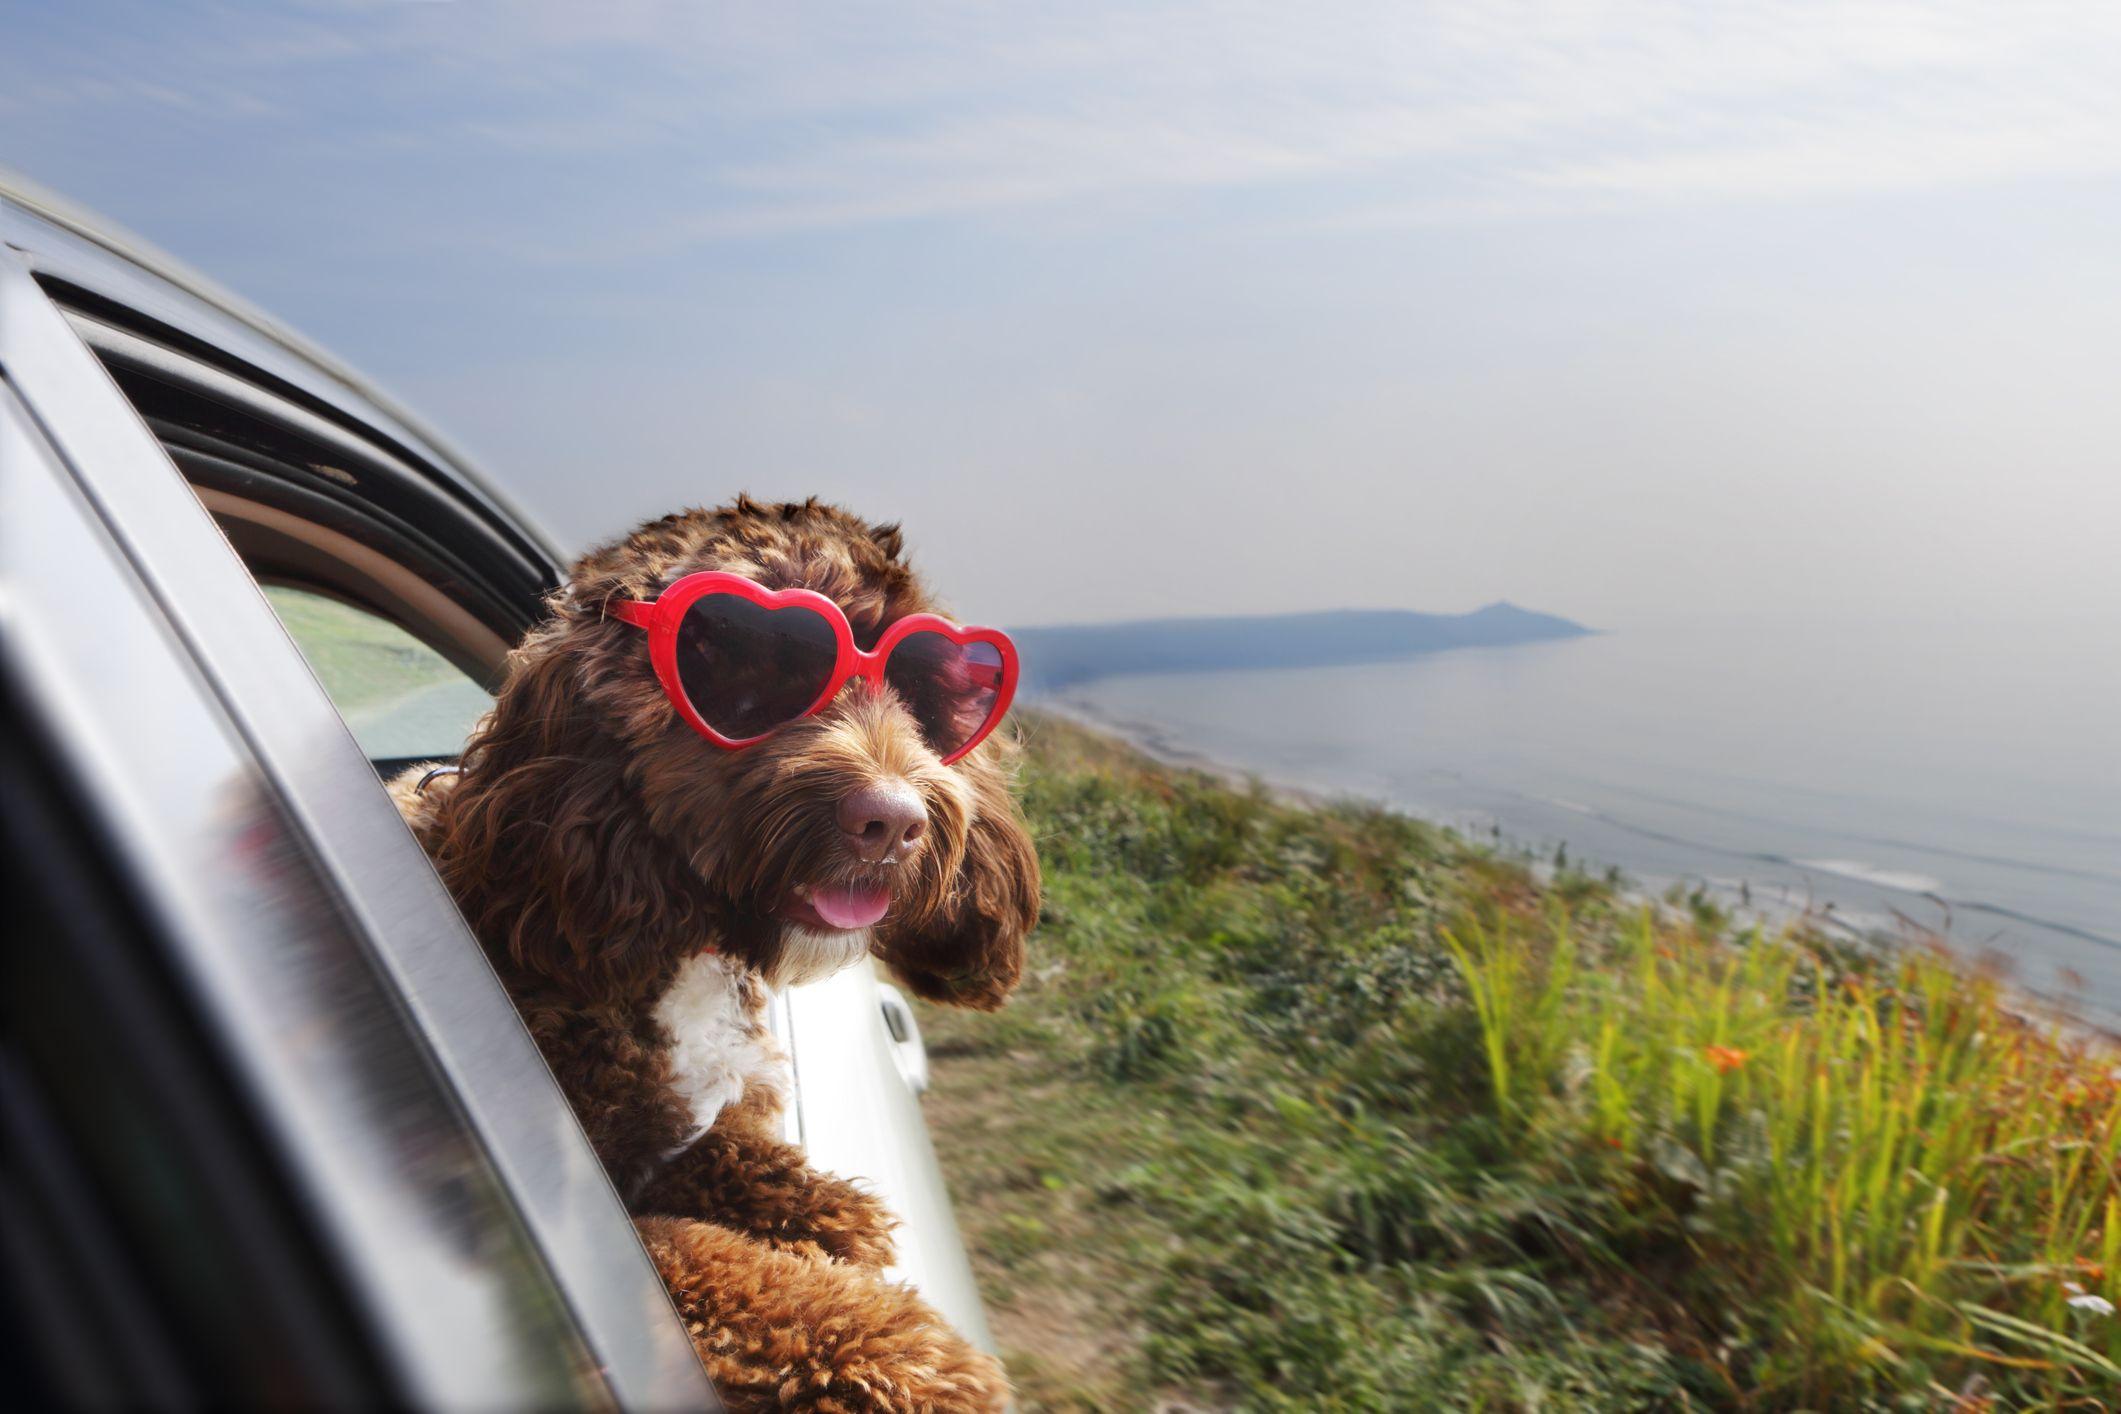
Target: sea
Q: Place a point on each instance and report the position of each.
(1954, 779)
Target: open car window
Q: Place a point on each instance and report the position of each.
(402, 698)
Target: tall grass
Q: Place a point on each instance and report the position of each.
(1323, 1108)
(1878, 1165)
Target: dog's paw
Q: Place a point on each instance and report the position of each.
(853, 1226)
(768, 1189)
(787, 1329)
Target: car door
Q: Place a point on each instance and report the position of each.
(275, 1134)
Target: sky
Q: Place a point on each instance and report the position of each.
(1618, 310)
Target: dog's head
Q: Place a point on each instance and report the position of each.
(839, 832)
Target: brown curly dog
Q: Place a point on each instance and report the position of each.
(640, 891)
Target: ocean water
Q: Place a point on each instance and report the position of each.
(1964, 779)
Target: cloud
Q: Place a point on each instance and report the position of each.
(760, 120)
(864, 119)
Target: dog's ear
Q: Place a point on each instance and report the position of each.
(537, 849)
(889, 538)
(970, 952)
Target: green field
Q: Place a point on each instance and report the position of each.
(400, 697)
(1323, 1107)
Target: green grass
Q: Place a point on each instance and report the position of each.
(400, 697)
(362, 660)
(1322, 1107)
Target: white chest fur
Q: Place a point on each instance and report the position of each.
(714, 1012)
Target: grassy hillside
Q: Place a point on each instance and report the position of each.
(362, 660)
(1308, 1108)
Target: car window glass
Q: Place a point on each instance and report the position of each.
(400, 696)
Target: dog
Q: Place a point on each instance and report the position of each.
(641, 891)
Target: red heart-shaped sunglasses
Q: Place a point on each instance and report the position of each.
(739, 661)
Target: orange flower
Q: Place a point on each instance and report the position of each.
(1725, 1058)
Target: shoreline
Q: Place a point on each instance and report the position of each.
(1896, 930)
(1157, 743)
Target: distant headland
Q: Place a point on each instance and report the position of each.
(1061, 656)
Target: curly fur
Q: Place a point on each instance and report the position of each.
(805, 1332)
(624, 877)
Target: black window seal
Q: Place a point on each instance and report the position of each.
(194, 403)
(85, 305)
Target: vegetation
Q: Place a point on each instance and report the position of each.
(1318, 1106)
(400, 697)
(362, 660)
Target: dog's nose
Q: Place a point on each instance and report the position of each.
(883, 823)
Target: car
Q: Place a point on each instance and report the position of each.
(275, 1134)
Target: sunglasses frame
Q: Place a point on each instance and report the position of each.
(664, 616)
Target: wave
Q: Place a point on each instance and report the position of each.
(1905, 880)
(2002, 861)
(1899, 881)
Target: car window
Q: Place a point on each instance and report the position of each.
(401, 697)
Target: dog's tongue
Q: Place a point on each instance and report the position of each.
(850, 907)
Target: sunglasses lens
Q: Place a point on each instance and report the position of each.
(950, 687)
(746, 668)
